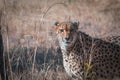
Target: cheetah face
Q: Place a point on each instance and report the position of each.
(66, 32)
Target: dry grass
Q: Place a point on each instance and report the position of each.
(29, 36)
(28, 22)
(47, 65)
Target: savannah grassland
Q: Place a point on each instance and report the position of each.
(31, 50)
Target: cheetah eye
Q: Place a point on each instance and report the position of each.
(61, 30)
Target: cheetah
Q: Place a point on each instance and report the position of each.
(112, 39)
(79, 49)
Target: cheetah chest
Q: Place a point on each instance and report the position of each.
(72, 65)
(67, 67)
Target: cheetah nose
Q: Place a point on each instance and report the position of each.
(67, 38)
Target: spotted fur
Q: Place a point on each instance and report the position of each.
(112, 39)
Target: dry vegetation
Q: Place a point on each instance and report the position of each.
(30, 45)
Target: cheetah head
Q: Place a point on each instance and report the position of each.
(66, 32)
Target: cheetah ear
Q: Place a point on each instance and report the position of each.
(76, 24)
(56, 23)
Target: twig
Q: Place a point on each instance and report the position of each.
(7, 29)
